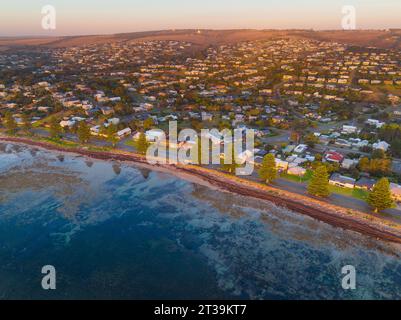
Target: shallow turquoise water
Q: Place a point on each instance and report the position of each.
(119, 231)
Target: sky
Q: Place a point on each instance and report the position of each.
(78, 17)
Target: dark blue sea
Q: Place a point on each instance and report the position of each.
(118, 231)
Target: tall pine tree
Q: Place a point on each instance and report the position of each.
(380, 197)
(26, 124)
(142, 144)
(83, 132)
(55, 128)
(268, 171)
(9, 123)
(111, 134)
(319, 184)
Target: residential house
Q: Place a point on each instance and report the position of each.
(281, 165)
(107, 111)
(206, 116)
(375, 123)
(301, 148)
(349, 129)
(342, 181)
(153, 135)
(67, 123)
(365, 184)
(297, 171)
(333, 156)
(123, 133)
(381, 145)
(348, 164)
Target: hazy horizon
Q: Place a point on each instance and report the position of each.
(177, 30)
(90, 17)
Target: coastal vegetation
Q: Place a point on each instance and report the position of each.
(83, 132)
(141, 144)
(311, 206)
(268, 170)
(56, 130)
(110, 132)
(319, 184)
(26, 124)
(9, 123)
(380, 197)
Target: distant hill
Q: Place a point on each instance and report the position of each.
(366, 38)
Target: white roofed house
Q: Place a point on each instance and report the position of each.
(123, 133)
(67, 123)
(152, 135)
(43, 84)
(349, 129)
(381, 145)
(95, 131)
(113, 121)
(376, 123)
(78, 119)
(342, 181)
(348, 164)
(358, 143)
(301, 148)
(115, 99)
(44, 109)
(281, 165)
(206, 116)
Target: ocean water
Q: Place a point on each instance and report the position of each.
(117, 231)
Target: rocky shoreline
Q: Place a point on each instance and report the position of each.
(334, 215)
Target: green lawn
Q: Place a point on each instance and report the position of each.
(60, 142)
(130, 143)
(305, 178)
(354, 193)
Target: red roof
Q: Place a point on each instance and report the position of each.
(334, 156)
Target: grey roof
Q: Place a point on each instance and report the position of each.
(365, 182)
(342, 179)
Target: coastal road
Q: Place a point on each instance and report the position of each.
(286, 185)
(337, 199)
